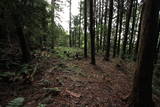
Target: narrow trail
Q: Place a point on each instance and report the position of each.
(81, 84)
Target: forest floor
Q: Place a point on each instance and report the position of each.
(74, 83)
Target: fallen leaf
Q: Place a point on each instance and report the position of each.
(73, 94)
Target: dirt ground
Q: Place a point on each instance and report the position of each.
(77, 84)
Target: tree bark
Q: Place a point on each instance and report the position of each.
(133, 28)
(101, 22)
(117, 25)
(70, 31)
(142, 88)
(105, 25)
(85, 29)
(107, 55)
(120, 27)
(97, 13)
(26, 56)
(92, 33)
(79, 42)
(128, 16)
(138, 36)
(53, 23)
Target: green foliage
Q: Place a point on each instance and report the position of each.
(41, 105)
(68, 53)
(6, 74)
(25, 69)
(18, 102)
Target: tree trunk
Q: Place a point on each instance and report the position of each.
(85, 29)
(158, 45)
(142, 88)
(105, 25)
(117, 25)
(26, 56)
(79, 42)
(53, 23)
(92, 33)
(138, 36)
(128, 16)
(98, 19)
(133, 27)
(107, 55)
(97, 13)
(101, 22)
(70, 31)
(120, 27)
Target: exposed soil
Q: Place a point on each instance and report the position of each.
(80, 84)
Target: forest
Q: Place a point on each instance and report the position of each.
(107, 55)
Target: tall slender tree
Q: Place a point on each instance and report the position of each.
(101, 23)
(142, 88)
(92, 32)
(158, 45)
(79, 39)
(107, 54)
(105, 25)
(128, 16)
(85, 29)
(98, 14)
(139, 31)
(120, 26)
(133, 27)
(70, 23)
(117, 25)
(53, 23)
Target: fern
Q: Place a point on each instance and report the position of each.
(18, 102)
(41, 105)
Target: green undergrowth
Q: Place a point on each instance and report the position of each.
(24, 71)
(67, 53)
(17, 102)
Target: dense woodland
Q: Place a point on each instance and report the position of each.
(109, 57)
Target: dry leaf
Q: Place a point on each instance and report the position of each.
(73, 94)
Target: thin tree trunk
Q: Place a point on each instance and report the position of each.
(158, 45)
(53, 24)
(133, 28)
(107, 55)
(128, 16)
(117, 25)
(92, 32)
(105, 25)
(101, 22)
(85, 29)
(138, 36)
(79, 43)
(97, 24)
(70, 31)
(98, 19)
(120, 27)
